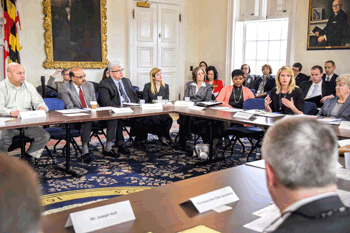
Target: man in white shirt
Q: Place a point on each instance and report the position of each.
(17, 95)
(301, 157)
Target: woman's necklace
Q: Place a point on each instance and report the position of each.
(234, 96)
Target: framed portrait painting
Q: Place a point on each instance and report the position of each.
(75, 33)
(329, 24)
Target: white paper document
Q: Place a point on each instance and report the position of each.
(214, 199)
(222, 208)
(344, 142)
(331, 121)
(4, 119)
(122, 110)
(75, 114)
(74, 110)
(209, 103)
(101, 108)
(196, 108)
(131, 104)
(343, 174)
(183, 104)
(243, 115)
(220, 108)
(344, 196)
(344, 125)
(101, 217)
(261, 223)
(258, 163)
(232, 110)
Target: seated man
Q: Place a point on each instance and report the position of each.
(329, 77)
(299, 77)
(316, 89)
(19, 197)
(300, 156)
(57, 85)
(17, 95)
(78, 93)
(265, 82)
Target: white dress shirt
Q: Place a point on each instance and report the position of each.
(312, 87)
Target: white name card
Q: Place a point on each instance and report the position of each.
(214, 199)
(122, 110)
(183, 104)
(152, 106)
(32, 114)
(101, 217)
(243, 115)
(344, 125)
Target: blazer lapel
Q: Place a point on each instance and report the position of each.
(74, 94)
(113, 86)
(345, 105)
(87, 96)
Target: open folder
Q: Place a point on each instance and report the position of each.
(316, 100)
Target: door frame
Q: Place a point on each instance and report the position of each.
(182, 40)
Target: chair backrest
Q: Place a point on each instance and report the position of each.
(254, 104)
(49, 92)
(253, 90)
(54, 103)
(310, 108)
(95, 86)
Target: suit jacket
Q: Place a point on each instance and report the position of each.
(303, 219)
(344, 112)
(55, 85)
(335, 28)
(271, 83)
(334, 77)
(108, 94)
(149, 96)
(298, 99)
(204, 93)
(70, 97)
(326, 89)
(225, 94)
(301, 78)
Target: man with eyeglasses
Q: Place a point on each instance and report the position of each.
(57, 85)
(78, 93)
(299, 77)
(332, 34)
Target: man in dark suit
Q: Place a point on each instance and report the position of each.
(114, 91)
(329, 77)
(299, 77)
(332, 34)
(78, 93)
(316, 87)
(301, 155)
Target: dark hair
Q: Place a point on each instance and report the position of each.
(248, 67)
(216, 74)
(298, 65)
(195, 71)
(206, 65)
(64, 71)
(104, 73)
(268, 66)
(236, 73)
(330, 61)
(317, 67)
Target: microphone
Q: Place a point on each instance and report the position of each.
(43, 86)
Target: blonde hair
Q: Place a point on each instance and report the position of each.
(291, 85)
(344, 78)
(152, 74)
(195, 71)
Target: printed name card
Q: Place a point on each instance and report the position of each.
(344, 125)
(243, 115)
(152, 106)
(183, 104)
(122, 110)
(214, 199)
(101, 217)
(32, 114)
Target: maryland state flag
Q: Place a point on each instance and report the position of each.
(11, 42)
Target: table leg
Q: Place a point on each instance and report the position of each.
(23, 145)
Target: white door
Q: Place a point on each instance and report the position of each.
(156, 44)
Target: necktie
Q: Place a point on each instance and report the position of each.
(328, 79)
(313, 94)
(123, 93)
(81, 96)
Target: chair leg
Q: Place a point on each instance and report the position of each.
(54, 147)
(254, 146)
(233, 144)
(243, 147)
(99, 139)
(50, 154)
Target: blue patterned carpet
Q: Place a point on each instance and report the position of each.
(107, 177)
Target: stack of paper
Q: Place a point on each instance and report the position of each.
(267, 216)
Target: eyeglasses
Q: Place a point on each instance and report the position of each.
(80, 77)
(116, 71)
(245, 69)
(336, 5)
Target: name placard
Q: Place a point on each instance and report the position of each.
(214, 199)
(243, 115)
(183, 104)
(344, 125)
(101, 217)
(122, 110)
(196, 108)
(152, 106)
(32, 114)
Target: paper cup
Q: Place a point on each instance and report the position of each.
(159, 98)
(93, 105)
(187, 99)
(142, 101)
(347, 160)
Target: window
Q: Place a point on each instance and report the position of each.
(264, 41)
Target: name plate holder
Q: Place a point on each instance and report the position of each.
(344, 125)
(32, 114)
(214, 199)
(243, 115)
(152, 106)
(101, 217)
(121, 110)
(183, 104)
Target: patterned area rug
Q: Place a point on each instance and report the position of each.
(107, 177)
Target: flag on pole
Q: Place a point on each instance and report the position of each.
(11, 42)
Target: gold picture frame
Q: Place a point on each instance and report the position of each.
(76, 37)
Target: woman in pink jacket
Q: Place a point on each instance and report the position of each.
(234, 95)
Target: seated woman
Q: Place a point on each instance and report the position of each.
(286, 98)
(249, 78)
(265, 82)
(161, 124)
(212, 79)
(105, 74)
(198, 90)
(338, 106)
(234, 95)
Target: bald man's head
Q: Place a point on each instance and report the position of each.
(15, 74)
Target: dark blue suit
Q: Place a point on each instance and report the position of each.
(335, 28)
